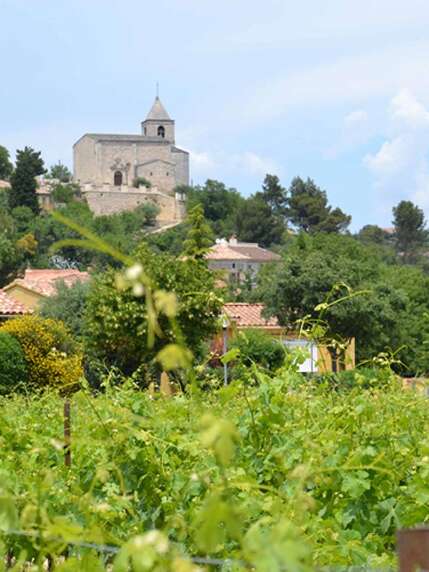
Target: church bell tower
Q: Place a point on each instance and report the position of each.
(158, 124)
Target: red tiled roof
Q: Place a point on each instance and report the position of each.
(248, 315)
(44, 281)
(241, 251)
(11, 307)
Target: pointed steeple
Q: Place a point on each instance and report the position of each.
(158, 112)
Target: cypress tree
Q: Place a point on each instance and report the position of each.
(29, 165)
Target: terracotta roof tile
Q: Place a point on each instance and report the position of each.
(249, 315)
(11, 307)
(44, 281)
(243, 251)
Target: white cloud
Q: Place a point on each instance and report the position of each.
(405, 107)
(356, 117)
(254, 164)
(347, 80)
(217, 163)
(401, 165)
(202, 162)
(392, 156)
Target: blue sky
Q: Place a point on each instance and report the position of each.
(335, 90)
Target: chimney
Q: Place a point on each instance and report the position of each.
(233, 240)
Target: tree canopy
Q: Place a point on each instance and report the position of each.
(308, 209)
(6, 167)
(410, 232)
(29, 164)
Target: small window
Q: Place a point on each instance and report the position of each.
(117, 179)
(145, 131)
(167, 173)
(233, 264)
(161, 131)
(151, 173)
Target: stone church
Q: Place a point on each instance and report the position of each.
(108, 168)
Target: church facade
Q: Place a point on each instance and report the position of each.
(108, 168)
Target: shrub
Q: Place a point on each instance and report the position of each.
(259, 347)
(13, 369)
(141, 181)
(67, 305)
(50, 352)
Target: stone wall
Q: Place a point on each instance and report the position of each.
(107, 201)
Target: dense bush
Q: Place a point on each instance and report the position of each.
(51, 355)
(277, 479)
(13, 368)
(67, 305)
(260, 348)
(117, 321)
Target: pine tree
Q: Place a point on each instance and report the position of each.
(6, 166)
(29, 165)
(200, 235)
(410, 229)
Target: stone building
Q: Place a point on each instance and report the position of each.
(108, 168)
(238, 260)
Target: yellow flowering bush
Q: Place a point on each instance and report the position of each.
(52, 357)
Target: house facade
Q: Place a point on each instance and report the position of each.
(243, 316)
(37, 284)
(239, 261)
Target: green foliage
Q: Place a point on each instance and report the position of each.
(309, 211)
(169, 241)
(220, 204)
(68, 306)
(199, 237)
(13, 368)
(65, 192)
(29, 165)
(328, 265)
(60, 172)
(122, 230)
(6, 167)
(141, 181)
(285, 475)
(257, 223)
(256, 346)
(373, 234)
(410, 231)
(118, 321)
(50, 353)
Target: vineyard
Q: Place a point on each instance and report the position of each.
(283, 474)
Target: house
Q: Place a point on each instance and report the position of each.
(11, 308)
(37, 284)
(239, 260)
(242, 316)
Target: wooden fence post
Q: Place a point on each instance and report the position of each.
(67, 433)
(413, 549)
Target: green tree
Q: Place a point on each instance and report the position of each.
(29, 165)
(371, 233)
(13, 371)
(410, 229)
(316, 268)
(6, 167)
(64, 193)
(10, 259)
(275, 195)
(308, 209)
(60, 172)
(117, 322)
(257, 223)
(67, 305)
(220, 205)
(200, 236)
